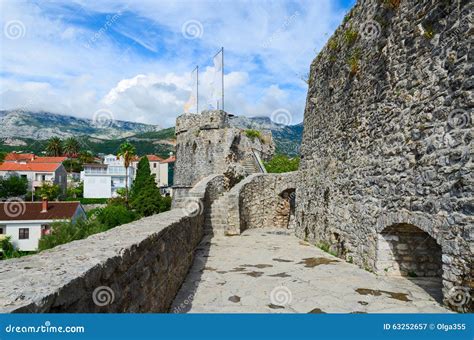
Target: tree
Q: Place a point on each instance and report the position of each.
(54, 147)
(7, 250)
(141, 179)
(71, 149)
(3, 154)
(86, 157)
(149, 200)
(13, 186)
(50, 191)
(127, 152)
(114, 215)
(282, 163)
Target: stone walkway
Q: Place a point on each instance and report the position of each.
(270, 271)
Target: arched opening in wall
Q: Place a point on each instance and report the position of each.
(405, 250)
(285, 209)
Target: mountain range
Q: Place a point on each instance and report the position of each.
(29, 131)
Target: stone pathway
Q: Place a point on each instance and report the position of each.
(270, 271)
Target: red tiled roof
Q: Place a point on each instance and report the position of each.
(30, 211)
(13, 157)
(40, 167)
(170, 159)
(49, 160)
(154, 158)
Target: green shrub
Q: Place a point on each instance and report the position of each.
(350, 36)
(114, 215)
(252, 134)
(333, 44)
(282, 163)
(65, 232)
(354, 62)
(13, 186)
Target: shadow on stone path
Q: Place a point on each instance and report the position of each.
(270, 271)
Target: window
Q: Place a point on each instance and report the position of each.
(1, 231)
(23, 176)
(154, 165)
(43, 177)
(24, 233)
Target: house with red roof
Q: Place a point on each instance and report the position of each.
(26, 222)
(162, 169)
(36, 173)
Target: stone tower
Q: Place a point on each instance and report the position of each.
(207, 144)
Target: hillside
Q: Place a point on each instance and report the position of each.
(43, 125)
(28, 131)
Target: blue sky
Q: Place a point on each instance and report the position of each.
(133, 58)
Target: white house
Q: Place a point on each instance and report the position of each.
(37, 173)
(27, 222)
(103, 180)
(161, 169)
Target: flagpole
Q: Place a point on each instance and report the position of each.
(222, 78)
(197, 89)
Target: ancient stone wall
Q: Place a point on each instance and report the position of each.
(261, 200)
(207, 144)
(388, 134)
(136, 267)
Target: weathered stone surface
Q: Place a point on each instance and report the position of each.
(256, 202)
(388, 134)
(206, 144)
(272, 272)
(136, 267)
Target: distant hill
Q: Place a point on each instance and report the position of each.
(43, 125)
(28, 131)
(287, 137)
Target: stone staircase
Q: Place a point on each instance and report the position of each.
(250, 166)
(216, 217)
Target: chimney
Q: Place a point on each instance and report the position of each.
(44, 205)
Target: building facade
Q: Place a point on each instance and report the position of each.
(104, 180)
(26, 222)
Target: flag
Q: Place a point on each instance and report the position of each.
(217, 84)
(191, 104)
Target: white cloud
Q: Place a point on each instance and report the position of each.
(65, 67)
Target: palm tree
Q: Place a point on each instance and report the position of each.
(127, 152)
(54, 147)
(71, 149)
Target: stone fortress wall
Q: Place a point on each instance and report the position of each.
(207, 144)
(136, 267)
(262, 200)
(386, 171)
